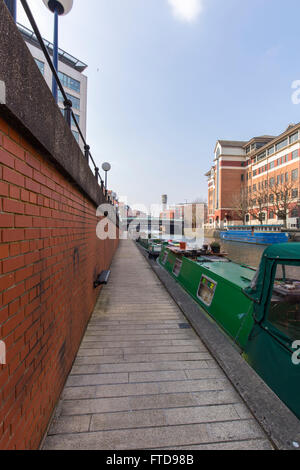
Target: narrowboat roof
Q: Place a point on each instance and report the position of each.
(235, 273)
(288, 251)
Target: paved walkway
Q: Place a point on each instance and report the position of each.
(142, 380)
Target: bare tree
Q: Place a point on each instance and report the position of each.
(283, 197)
(258, 203)
(240, 203)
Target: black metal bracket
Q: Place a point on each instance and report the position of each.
(102, 279)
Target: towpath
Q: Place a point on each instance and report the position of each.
(144, 380)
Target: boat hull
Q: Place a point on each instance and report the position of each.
(258, 238)
(234, 311)
(229, 307)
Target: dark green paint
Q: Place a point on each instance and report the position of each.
(240, 306)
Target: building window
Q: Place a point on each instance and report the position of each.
(77, 117)
(40, 65)
(76, 135)
(271, 150)
(294, 154)
(294, 213)
(271, 215)
(261, 156)
(254, 187)
(75, 101)
(295, 193)
(294, 138)
(69, 82)
(282, 144)
(254, 172)
(272, 165)
(272, 182)
(295, 175)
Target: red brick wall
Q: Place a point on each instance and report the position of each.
(49, 257)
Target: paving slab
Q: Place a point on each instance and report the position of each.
(140, 382)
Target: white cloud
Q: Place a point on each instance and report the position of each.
(186, 10)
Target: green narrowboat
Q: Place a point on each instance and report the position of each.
(259, 310)
(152, 246)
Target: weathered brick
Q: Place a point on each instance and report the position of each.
(24, 169)
(23, 221)
(37, 285)
(4, 251)
(12, 235)
(16, 207)
(6, 159)
(3, 189)
(7, 281)
(13, 148)
(32, 186)
(12, 264)
(6, 220)
(32, 161)
(13, 177)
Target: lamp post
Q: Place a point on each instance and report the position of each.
(12, 6)
(106, 167)
(59, 8)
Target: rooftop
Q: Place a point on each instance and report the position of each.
(68, 59)
(232, 143)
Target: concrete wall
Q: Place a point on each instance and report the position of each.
(49, 252)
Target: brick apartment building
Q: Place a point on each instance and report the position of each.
(254, 168)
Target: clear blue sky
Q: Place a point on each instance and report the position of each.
(167, 78)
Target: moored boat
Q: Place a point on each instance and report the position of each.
(259, 234)
(259, 310)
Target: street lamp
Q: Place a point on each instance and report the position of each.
(59, 8)
(106, 167)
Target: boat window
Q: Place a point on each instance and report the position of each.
(165, 257)
(284, 312)
(207, 290)
(177, 267)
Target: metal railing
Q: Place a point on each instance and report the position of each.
(68, 112)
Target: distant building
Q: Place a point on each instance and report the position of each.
(70, 73)
(194, 214)
(253, 168)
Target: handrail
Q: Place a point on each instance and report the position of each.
(67, 103)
